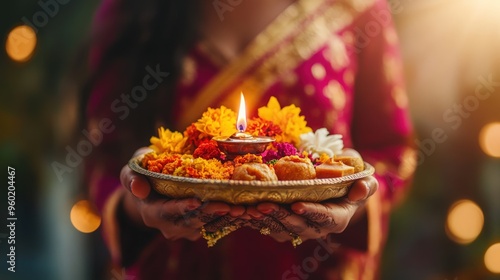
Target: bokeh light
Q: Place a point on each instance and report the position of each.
(465, 221)
(21, 43)
(84, 216)
(489, 139)
(492, 258)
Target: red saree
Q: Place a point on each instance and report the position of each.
(339, 62)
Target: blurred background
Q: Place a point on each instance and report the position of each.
(447, 228)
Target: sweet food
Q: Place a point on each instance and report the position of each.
(254, 171)
(333, 169)
(294, 168)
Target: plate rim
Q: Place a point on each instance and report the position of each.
(135, 166)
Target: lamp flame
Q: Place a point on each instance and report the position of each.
(241, 124)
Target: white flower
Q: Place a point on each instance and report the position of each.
(321, 142)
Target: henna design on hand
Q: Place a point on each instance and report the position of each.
(277, 222)
(275, 226)
(207, 218)
(318, 221)
(281, 216)
(218, 223)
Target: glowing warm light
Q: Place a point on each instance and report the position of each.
(465, 221)
(492, 258)
(489, 139)
(241, 124)
(21, 43)
(84, 216)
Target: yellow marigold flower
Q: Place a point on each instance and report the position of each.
(168, 142)
(287, 118)
(217, 122)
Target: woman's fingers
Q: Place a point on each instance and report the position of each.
(282, 220)
(217, 208)
(176, 218)
(284, 225)
(305, 219)
(193, 214)
(183, 218)
(176, 207)
(267, 207)
(126, 176)
(137, 184)
(254, 213)
(236, 211)
(362, 189)
(217, 215)
(333, 217)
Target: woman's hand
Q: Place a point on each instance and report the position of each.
(309, 220)
(174, 218)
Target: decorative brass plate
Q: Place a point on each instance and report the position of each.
(249, 192)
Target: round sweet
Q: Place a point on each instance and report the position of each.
(352, 158)
(294, 168)
(254, 171)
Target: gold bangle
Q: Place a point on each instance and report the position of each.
(213, 237)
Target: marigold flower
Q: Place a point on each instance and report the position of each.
(162, 163)
(261, 127)
(217, 122)
(187, 166)
(286, 125)
(248, 158)
(208, 150)
(287, 118)
(195, 137)
(168, 142)
(204, 169)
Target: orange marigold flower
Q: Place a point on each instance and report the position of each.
(164, 163)
(208, 150)
(147, 157)
(248, 158)
(195, 137)
(172, 164)
(260, 127)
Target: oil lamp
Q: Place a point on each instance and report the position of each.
(242, 143)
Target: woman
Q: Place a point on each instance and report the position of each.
(337, 60)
